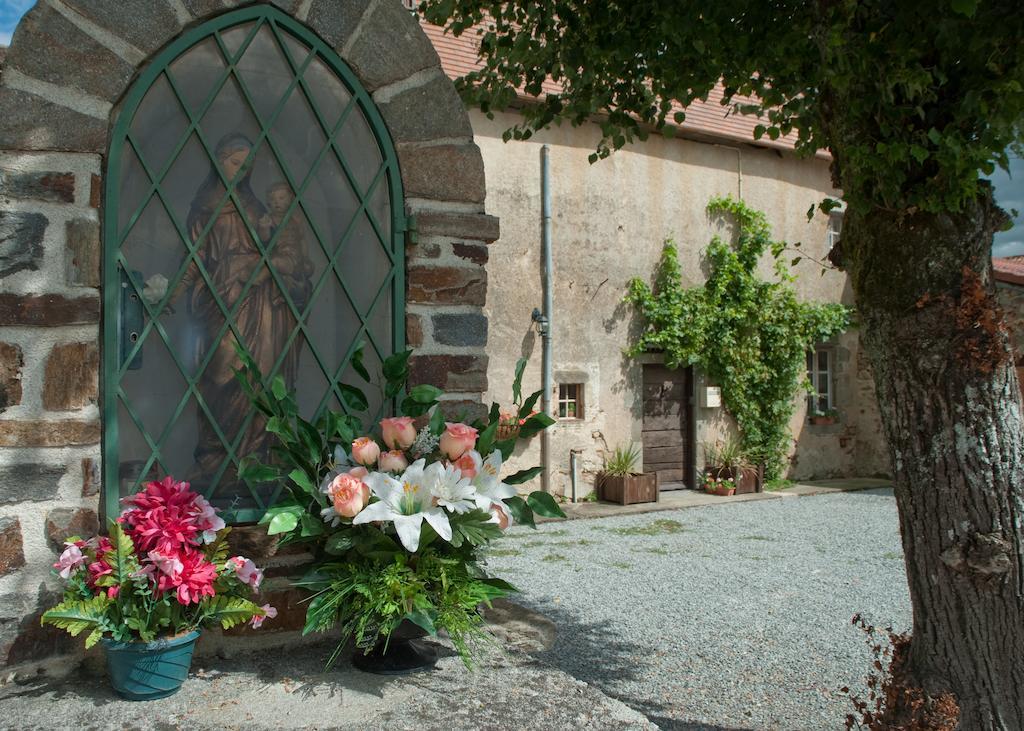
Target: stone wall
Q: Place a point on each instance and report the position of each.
(69, 64)
(609, 222)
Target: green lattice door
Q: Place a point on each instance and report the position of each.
(252, 197)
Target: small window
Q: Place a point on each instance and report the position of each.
(835, 230)
(819, 373)
(570, 401)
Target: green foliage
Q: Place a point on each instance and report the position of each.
(725, 454)
(77, 616)
(622, 460)
(748, 335)
(912, 98)
(230, 610)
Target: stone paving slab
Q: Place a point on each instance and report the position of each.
(679, 499)
(290, 690)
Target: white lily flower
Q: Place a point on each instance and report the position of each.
(406, 502)
(452, 490)
(490, 490)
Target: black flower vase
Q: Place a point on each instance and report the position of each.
(402, 653)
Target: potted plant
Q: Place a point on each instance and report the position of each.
(619, 483)
(724, 486)
(510, 422)
(824, 418)
(398, 513)
(147, 589)
(726, 459)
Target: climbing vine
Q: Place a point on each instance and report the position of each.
(750, 336)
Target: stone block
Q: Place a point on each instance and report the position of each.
(461, 328)
(32, 123)
(423, 251)
(48, 310)
(64, 522)
(47, 433)
(146, 24)
(24, 639)
(455, 373)
(95, 191)
(473, 226)
(21, 241)
(443, 172)
(49, 186)
(476, 253)
(48, 46)
(12, 360)
(390, 46)
(90, 477)
(334, 21)
(252, 542)
(463, 410)
(12, 553)
(446, 285)
(28, 482)
(83, 254)
(413, 330)
(72, 377)
(431, 111)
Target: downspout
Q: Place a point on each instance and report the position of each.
(545, 317)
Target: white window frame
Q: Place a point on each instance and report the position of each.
(564, 399)
(834, 230)
(814, 375)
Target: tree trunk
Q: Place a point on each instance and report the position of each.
(951, 409)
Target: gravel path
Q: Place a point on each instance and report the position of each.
(725, 617)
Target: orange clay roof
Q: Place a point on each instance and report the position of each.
(1009, 269)
(703, 119)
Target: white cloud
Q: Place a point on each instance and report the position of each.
(1008, 248)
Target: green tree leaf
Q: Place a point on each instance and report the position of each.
(543, 504)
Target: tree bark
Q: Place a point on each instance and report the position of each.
(951, 409)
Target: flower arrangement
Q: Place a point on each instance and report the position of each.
(718, 485)
(399, 514)
(163, 570)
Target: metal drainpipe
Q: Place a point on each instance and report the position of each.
(545, 325)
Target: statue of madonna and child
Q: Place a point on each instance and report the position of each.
(263, 319)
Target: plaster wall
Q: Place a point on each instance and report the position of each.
(609, 222)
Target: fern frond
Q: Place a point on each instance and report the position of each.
(77, 616)
(217, 552)
(230, 611)
(124, 553)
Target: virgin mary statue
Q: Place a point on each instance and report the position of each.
(263, 320)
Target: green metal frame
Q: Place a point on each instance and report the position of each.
(114, 365)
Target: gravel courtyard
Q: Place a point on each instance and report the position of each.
(725, 617)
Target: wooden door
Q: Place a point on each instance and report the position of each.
(667, 441)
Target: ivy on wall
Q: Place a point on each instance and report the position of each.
(750, 336)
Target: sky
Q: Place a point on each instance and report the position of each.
(1009, 187)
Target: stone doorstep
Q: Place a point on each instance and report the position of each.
(682, 499)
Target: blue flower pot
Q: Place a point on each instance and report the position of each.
(144, 671)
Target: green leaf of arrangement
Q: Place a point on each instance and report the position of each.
(530, 404)
(283, 523)
(229, 610)
(278, 388)
(475, 526)
(506, 447)
(500, 584)
(521, 512)
(300, 478)
(543, 504)
(494, 414)
(534, 424)
(77, 616)
(124, 553)
(310, 525)
(485, 442)
(217, 552)
(437, 426)
(412, 407)
(396, 367)
(357, 362)
(425, 393)
(353, 397)
(517, 383)
(279, 426)
(518, 478)
(338, 543)
(253, 471)
(422, 619)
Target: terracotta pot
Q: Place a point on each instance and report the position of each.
(721, 491)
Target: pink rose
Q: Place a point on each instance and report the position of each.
(359, 472)
(270, 613)
(349, 495)
(500, 516)
(468, 464)
(457, 438)
(365, 451)
(399, 433)
(393, 461)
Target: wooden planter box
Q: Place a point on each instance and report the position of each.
(629, 489)
(823, 420)
(747, 479)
